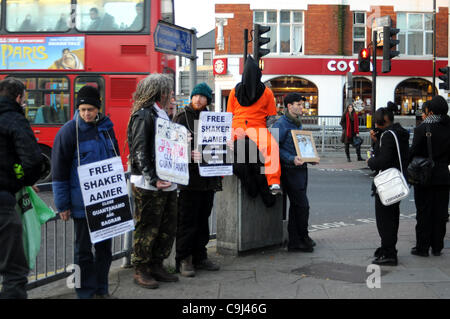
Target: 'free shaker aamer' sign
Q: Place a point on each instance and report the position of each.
(214, 130)
(106, 200)
(171, 151)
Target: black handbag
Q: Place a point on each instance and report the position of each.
(421, 168)
(357, 141)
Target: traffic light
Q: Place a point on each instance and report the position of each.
(259, 41)
(364, 60)
(389, 43)
(444, 77)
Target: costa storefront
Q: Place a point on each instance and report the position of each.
(322, 81)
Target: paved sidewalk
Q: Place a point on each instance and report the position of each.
(336, 269)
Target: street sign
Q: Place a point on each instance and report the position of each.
(172, 39)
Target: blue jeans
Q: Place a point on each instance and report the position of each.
(94, 269)
(295, 183)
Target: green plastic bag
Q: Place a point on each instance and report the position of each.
(34, 213)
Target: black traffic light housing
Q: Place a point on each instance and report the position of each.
(259, 41)
(364, 60)
(388, 43)
(444, 77)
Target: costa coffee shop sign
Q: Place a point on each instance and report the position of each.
(340, 66)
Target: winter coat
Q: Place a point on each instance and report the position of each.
(95, 145)
(286, 142)
(440, 149)
(350, 127)
(386, 156)
(18, 145)
(187, 118)
(141, 141)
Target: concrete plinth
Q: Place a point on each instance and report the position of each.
(245, 223)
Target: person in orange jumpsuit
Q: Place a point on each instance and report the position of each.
(252, 103)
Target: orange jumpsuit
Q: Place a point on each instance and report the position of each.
(251, 121)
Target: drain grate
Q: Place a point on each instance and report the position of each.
(336, 271)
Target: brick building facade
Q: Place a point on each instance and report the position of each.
(314, 44)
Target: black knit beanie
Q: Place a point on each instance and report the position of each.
(89, 95)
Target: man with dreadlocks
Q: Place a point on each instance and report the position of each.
(155, 199)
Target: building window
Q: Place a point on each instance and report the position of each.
(416, 33)
(359, 31)
(286, 30)
(411, 94)
(207, 58)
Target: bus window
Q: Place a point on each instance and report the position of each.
(47, 99)
(38, 15)
(104, 15)
(167, 11)
(95, 81)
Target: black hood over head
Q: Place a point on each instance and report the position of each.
(250, 89)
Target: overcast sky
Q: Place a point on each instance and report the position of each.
(197, 14)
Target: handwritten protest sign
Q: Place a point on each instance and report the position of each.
(105, 198)
(214, 130)
(171, 150)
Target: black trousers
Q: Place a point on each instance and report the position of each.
(295, 183)
(194, 209)
(431, 216)
(347, 150)
(94, 269)
(388, 219)
(13, 263)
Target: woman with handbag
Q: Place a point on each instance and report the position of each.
(350, 132)
(432, 197)
(390, 150)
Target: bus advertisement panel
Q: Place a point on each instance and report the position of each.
(42, 53)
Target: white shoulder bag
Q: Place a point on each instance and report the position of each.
(390, 183)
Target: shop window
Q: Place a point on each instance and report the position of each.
(47, 99)
(95, 81)
(359, 31)
(416, 33)
(411, 94)
(283, 85)
(38, 15)
(361, 95)
(286, 30)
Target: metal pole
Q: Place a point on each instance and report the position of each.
(245, 44)
(434, 47)
(193, 64)
(374, 74)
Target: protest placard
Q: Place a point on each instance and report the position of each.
(171, 151)
(214, 130)
(105, 198)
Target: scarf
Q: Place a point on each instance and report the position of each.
(296, 120)
(433, 119)
(349, 125)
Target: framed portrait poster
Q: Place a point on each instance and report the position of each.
(305, 146)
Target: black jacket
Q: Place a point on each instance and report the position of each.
(141, 141)
(386, 156)
(187, 118)
(18, 145)
(440, 149)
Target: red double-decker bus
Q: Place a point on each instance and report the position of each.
(57, 46)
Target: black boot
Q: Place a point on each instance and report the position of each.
(358, 153)
(347, 152)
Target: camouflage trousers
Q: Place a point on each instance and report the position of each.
(156, 225)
